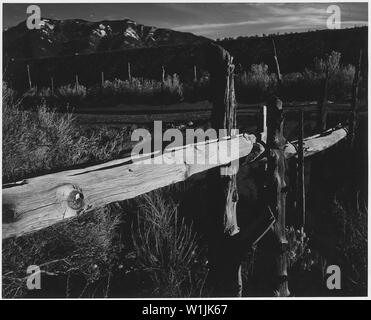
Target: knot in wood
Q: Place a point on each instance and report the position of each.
(75, 200)
(71, 199)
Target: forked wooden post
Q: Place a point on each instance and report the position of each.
(276, 193)
(276, 186)
(224, 252)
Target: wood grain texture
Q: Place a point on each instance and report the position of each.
(276, 191)
(36, 203)
(223, 253)
(316, 143)
(45, 200)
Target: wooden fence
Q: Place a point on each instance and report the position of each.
(42, 201)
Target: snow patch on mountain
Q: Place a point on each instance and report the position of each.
(100, 33)
(46, 23)
(130, 32)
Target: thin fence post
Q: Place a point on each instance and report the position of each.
(29, 77)
(163, 73)
(278, 72)
(223, 232)
(76, 81)
(354, 104)
(102, 78)
(263, 134)
(129, 71)
(301, 177)
(322, 105)
(194, 73)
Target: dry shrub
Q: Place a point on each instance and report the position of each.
(37, 142)
(72, 90)
(135, 90)
(88, 246)
(140, 90)
(351, 244)
(166, 248)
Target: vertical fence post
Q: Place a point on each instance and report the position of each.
(301, 178)
(29, 77)
(263, 134)
(77, 82)
(322, 105)
(129, 71)
(224, 249)
(102, 78)
(354, 105)
(278, 72)
(194, 73)
(276, 195)
(163, 74)
(277, 187)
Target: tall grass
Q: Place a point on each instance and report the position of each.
(351, 244)
(144, 90)
(259, 82)
(82, 254)
(253, 85)
(166, 248)
(256, 84)
(43, 140)
(111, 93)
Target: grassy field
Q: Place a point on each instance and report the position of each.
(252, 85)
(123, 250)
(185, 112)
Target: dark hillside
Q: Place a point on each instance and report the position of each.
(295, 52)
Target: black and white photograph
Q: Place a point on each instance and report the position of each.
(172, 150)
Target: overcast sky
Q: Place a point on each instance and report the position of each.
(213, 20)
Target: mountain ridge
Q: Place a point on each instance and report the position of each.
(77, 36)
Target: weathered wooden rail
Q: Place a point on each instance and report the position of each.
(39, 202)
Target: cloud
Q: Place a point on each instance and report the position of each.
(269, 17)
(204, 26)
